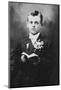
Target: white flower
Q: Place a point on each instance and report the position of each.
(38, 45)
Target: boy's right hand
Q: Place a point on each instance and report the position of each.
(23, 59)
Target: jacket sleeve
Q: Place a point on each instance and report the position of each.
(15, 56)
(44, 54)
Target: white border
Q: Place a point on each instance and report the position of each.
(4, 43)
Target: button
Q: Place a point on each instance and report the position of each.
(34, 50)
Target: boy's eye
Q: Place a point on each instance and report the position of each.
(36, 22)
(31, 22)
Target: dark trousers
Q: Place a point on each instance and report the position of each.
(29, 75)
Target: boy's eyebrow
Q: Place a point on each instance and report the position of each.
(36, 21)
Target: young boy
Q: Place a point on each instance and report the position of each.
(34, 44)
(32, 55)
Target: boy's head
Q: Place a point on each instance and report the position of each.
(34, 22)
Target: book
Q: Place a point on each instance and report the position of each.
(29, 56)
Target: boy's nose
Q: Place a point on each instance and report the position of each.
(33, 25)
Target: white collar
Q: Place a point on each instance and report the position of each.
(33, 37)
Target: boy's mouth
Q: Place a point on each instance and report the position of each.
(33, 28)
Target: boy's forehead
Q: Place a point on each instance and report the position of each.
(33, 18)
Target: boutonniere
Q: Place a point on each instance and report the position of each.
(39, 44)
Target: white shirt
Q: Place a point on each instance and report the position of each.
(33, 37)
(36, 44)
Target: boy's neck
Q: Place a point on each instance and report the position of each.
(34, 34)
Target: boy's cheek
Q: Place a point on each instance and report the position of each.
(29, 26)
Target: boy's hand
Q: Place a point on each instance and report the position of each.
(23, 59)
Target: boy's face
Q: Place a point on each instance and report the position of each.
(33, 24)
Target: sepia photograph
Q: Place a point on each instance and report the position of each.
(33, 44)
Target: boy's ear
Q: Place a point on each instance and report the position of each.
(27, 24)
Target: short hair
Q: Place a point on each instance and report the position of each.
(36, 13)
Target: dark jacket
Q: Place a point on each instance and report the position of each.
(28, 73)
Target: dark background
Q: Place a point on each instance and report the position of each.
(17, 21)
(17, 27)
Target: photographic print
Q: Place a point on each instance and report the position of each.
(33, 44)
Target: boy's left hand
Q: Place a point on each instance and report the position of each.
(23, 59)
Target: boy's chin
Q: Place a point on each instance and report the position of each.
(34, 33)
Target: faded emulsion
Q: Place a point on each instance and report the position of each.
(34, 44)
